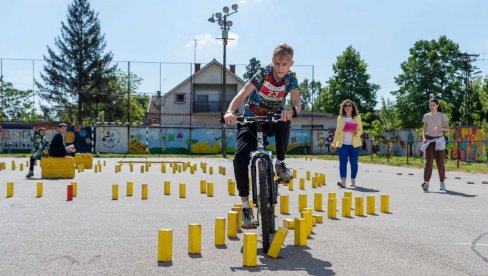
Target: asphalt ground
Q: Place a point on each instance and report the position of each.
(435, 233)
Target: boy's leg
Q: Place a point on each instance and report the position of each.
(245, 143)
(282, 136)
(31, 167)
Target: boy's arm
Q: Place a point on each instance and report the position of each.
(286, 114)
(229, 116)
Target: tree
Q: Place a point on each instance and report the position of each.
(251, 68)
(77, 78)
(389, 115)
(307, 89)
(16, 105)
(434, 69)
(350, 81)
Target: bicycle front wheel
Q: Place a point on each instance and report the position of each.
(264, 202)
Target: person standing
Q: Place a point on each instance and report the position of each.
(435, 124)
(39, 149)
(347, 140)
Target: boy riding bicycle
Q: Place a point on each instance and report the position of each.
(266, 92)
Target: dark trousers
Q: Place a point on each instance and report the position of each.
(439, 155)
(31, 164)
(246, 143)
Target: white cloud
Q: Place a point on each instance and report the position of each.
(208, 40)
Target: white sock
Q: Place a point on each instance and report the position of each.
(245, 204)
(278, 162)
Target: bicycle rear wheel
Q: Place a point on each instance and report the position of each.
(264, 205)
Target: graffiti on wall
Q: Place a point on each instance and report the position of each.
(111, 140)
(470, 145)
(15, 139)
(175, 141)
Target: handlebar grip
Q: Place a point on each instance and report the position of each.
(295, 113)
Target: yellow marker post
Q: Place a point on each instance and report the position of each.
(302, 183)
(163, 168)
(308, 175)
(290, 185)
(238, 209)
(302, 202)
(115, 192)
(306, 214)
(331, 208)
(142, 169)
(13, 165)
(39, 189)
(332, 195)
(359, 206)
(219, 231)
(21, 167)
(167, 188)
(182, 190)
(317, 202)
(131, 168)
(194, 239)
(279, 238)
(203, 186)
(165, 245)
(232, 224)
(210, 170)
(318, 218)
(284, 204)
(294, 173)
(385, 203)
(130, 189)
(300, 235)
(289, 223)
(371, 205)
(231, 187)
(10, 189)
(210, 189)
(346, 207)
(314, 182)
(145, 192)
(75, 188)
(250, 250)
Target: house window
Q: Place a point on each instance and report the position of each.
(202, 98)
(180, 98)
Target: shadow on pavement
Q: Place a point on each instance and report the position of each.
(362, 189)
(292, 258)
(449, 192)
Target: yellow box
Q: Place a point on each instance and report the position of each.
(289, 223)
(318, 218)
(279, 238)
(84, 158)
(57, 167)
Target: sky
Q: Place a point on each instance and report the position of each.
(156, 31)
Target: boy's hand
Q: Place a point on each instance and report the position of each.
(286, 115)
(230, 118)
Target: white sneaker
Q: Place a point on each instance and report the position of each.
(442, 186)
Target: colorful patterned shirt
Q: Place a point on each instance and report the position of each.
(269, 95)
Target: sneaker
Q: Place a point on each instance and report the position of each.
(442, 186)
(283, 172)
(248, 221)
(339, 183)
(30, 174)
(425, 186)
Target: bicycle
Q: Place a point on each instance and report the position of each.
(264, 188)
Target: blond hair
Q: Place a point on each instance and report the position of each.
(283, 50)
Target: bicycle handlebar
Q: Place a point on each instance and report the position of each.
(270, 118)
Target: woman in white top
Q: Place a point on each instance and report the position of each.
(435, 123)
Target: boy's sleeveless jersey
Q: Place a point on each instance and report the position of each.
(268, 95)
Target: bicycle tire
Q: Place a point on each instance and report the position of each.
(264, 202)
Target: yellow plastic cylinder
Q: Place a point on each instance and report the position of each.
(294, 173)
(232, 224)
(203, 186)
(10, 189)
(238, 209)
(317, 202)
(385, 203)
(289, 223)
(21, 167)
(318, 218)
(348, 194)
(142, 169)
(130, 189)
(194, 239)
(371, 205)
(290, 185)
(131, 167)
(302, 202)
(302, 183)
(346, 207)
(300, 235)
(145, 192)
(219, 231)
(210, 170)
(39, 189)
(359, 206)
(308, 175)
(331, 208)
(332, 195)
(167, 188)
(307, 215)
(75, 188)
(279, 238)
(231, 187)
(250, 250)
(210, 189)
(115, 192)
(314, 182)
(163, 168)
(284, 204)
(182, 190)
(165, 245)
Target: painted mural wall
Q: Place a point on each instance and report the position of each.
(111, 140)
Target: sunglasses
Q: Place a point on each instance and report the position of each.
(348, 105)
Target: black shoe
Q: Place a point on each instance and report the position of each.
(30, 174)
(339, 183)
(425, 186)
(248, 221)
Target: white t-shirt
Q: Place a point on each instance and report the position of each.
(438, 120)
(347, 135)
